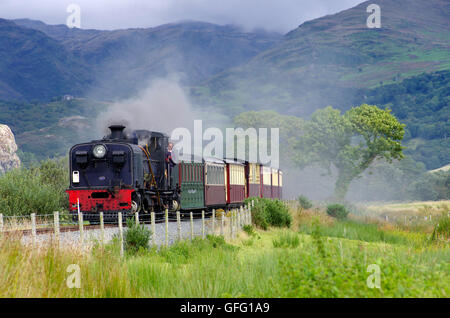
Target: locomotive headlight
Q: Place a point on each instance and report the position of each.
(99, 151)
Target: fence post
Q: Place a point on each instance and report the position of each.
(33, 228)
(1, 224)
(430, 217)
(203, 224)
(179, 225)
(246, 216)
(120, 233)
(137, 218)
(250, 217)
(213, 221)
(192, 226)
(152, 216)
(238, 219)
(222, 220)
(231, 224)
(253, 203)
(236, 222)
(166, 242)
(56, 226)
(80, 224)
(102, 229)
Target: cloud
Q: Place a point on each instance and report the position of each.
(273, 15)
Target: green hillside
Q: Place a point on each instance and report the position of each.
(123, 61)
(423, 104)
(326, 61)
(35, 66)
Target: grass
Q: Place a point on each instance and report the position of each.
(317, 257)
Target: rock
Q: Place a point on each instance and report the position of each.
(8, 147)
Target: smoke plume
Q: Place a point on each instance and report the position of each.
(162, 106)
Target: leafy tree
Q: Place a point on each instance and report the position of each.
(349, 142)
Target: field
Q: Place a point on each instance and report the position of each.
(318, 256)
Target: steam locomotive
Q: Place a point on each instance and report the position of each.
(130, 173)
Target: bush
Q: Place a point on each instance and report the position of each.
(267, 212)
(305, 203)
(136, 237)
(337, 211)
(38, 189)
(249, 229)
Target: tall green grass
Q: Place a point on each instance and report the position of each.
(354, 230)
(215, 268)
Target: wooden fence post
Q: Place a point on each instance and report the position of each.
(1, 224)
(250, 217)
(179, 225)
(166, 241)
(137, 218)
(231, 224)
(120, 233)
(238, 219)
(102, 229)
(253, 203)
(222, 220)
(152, 216)
(56, 226)
(213, 221)
(203, 224)
(81, 228)
(33, 228)
(192, 225)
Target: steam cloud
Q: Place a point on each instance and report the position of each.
(162, 106)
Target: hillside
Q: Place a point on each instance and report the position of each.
(123, 61)
(422, 103)
(327, 61)
(35, 66)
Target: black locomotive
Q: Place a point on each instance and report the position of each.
(122, 173)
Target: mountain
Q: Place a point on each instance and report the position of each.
(123, 61)
(328, 60)
(35, 66)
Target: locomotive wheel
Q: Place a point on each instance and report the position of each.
(135, 207)
(136, 203)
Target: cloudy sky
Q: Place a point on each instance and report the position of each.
(273, 15)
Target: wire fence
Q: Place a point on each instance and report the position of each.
(83, 229)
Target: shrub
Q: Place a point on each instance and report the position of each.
(267, 212)
(38, 189)
(136, 237)
(305, 203)
(249, 229)
(337, 211)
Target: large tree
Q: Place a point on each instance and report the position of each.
(349, 142)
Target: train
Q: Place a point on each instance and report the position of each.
(134, 172)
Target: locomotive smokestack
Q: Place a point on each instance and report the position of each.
(117, 132)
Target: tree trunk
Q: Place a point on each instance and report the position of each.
(341, 186)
